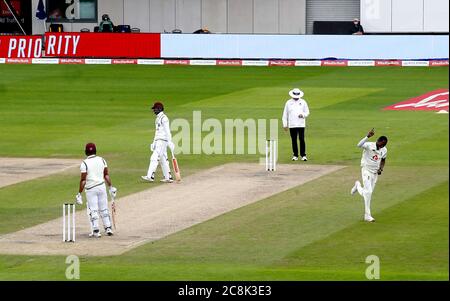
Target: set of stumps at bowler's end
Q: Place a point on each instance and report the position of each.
(271, 155)
(69, 208)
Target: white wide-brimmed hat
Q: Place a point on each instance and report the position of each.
(296, 93)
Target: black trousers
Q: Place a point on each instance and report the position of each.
(298, 132)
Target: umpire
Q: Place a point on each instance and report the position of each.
(294, 118)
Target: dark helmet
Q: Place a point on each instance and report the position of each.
(90, 149)
(105, 17)
(158, 107)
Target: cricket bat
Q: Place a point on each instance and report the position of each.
(113, 212)
(176, 168)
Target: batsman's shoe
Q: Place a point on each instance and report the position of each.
(147, 179)
(97, 234)
(294, 158)
(355, 188)
(91, 234)
(368, 218)
(304, 158)
(167, 180)
(109, 231)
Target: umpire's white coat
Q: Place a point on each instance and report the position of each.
(292, 110)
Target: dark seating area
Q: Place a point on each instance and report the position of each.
(118, 28)
(108, 28)
(122, 28)
(56, 28)
(333, 27)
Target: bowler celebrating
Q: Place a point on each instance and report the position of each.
(94, 174)
(162, 140)
(372, 163)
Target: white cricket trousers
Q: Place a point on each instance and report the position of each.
(97, 202)
(369, 181)
(159, 155)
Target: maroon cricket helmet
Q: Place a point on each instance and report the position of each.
(90, 149)
(158, 106)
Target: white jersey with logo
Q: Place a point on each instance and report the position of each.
(162, 128)
(292, 109)
(94, 166)
(371, 156)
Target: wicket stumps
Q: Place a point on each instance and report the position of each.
(271, 155)
(68, 222)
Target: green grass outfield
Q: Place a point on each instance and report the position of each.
(311, 232)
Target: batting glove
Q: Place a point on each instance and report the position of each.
(113, 191)
(79, 199)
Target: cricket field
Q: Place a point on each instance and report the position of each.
(313, 231)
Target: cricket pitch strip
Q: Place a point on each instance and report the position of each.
(157, 212)
(16, 170)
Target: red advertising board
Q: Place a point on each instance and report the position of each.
(71, 61)
(4, 11)
(18, 61)
(108, 45)
(76, 45)
(20, 46)
(229, 62)
(382, 63)
(435, 63)
(176, 62)
(335, 63)
(281, 63)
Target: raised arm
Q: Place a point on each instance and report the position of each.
(361, 143)
(364, 140)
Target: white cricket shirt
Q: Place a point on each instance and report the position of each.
(371, 156)
(94, 167)
(162, 128)
(292, 109)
